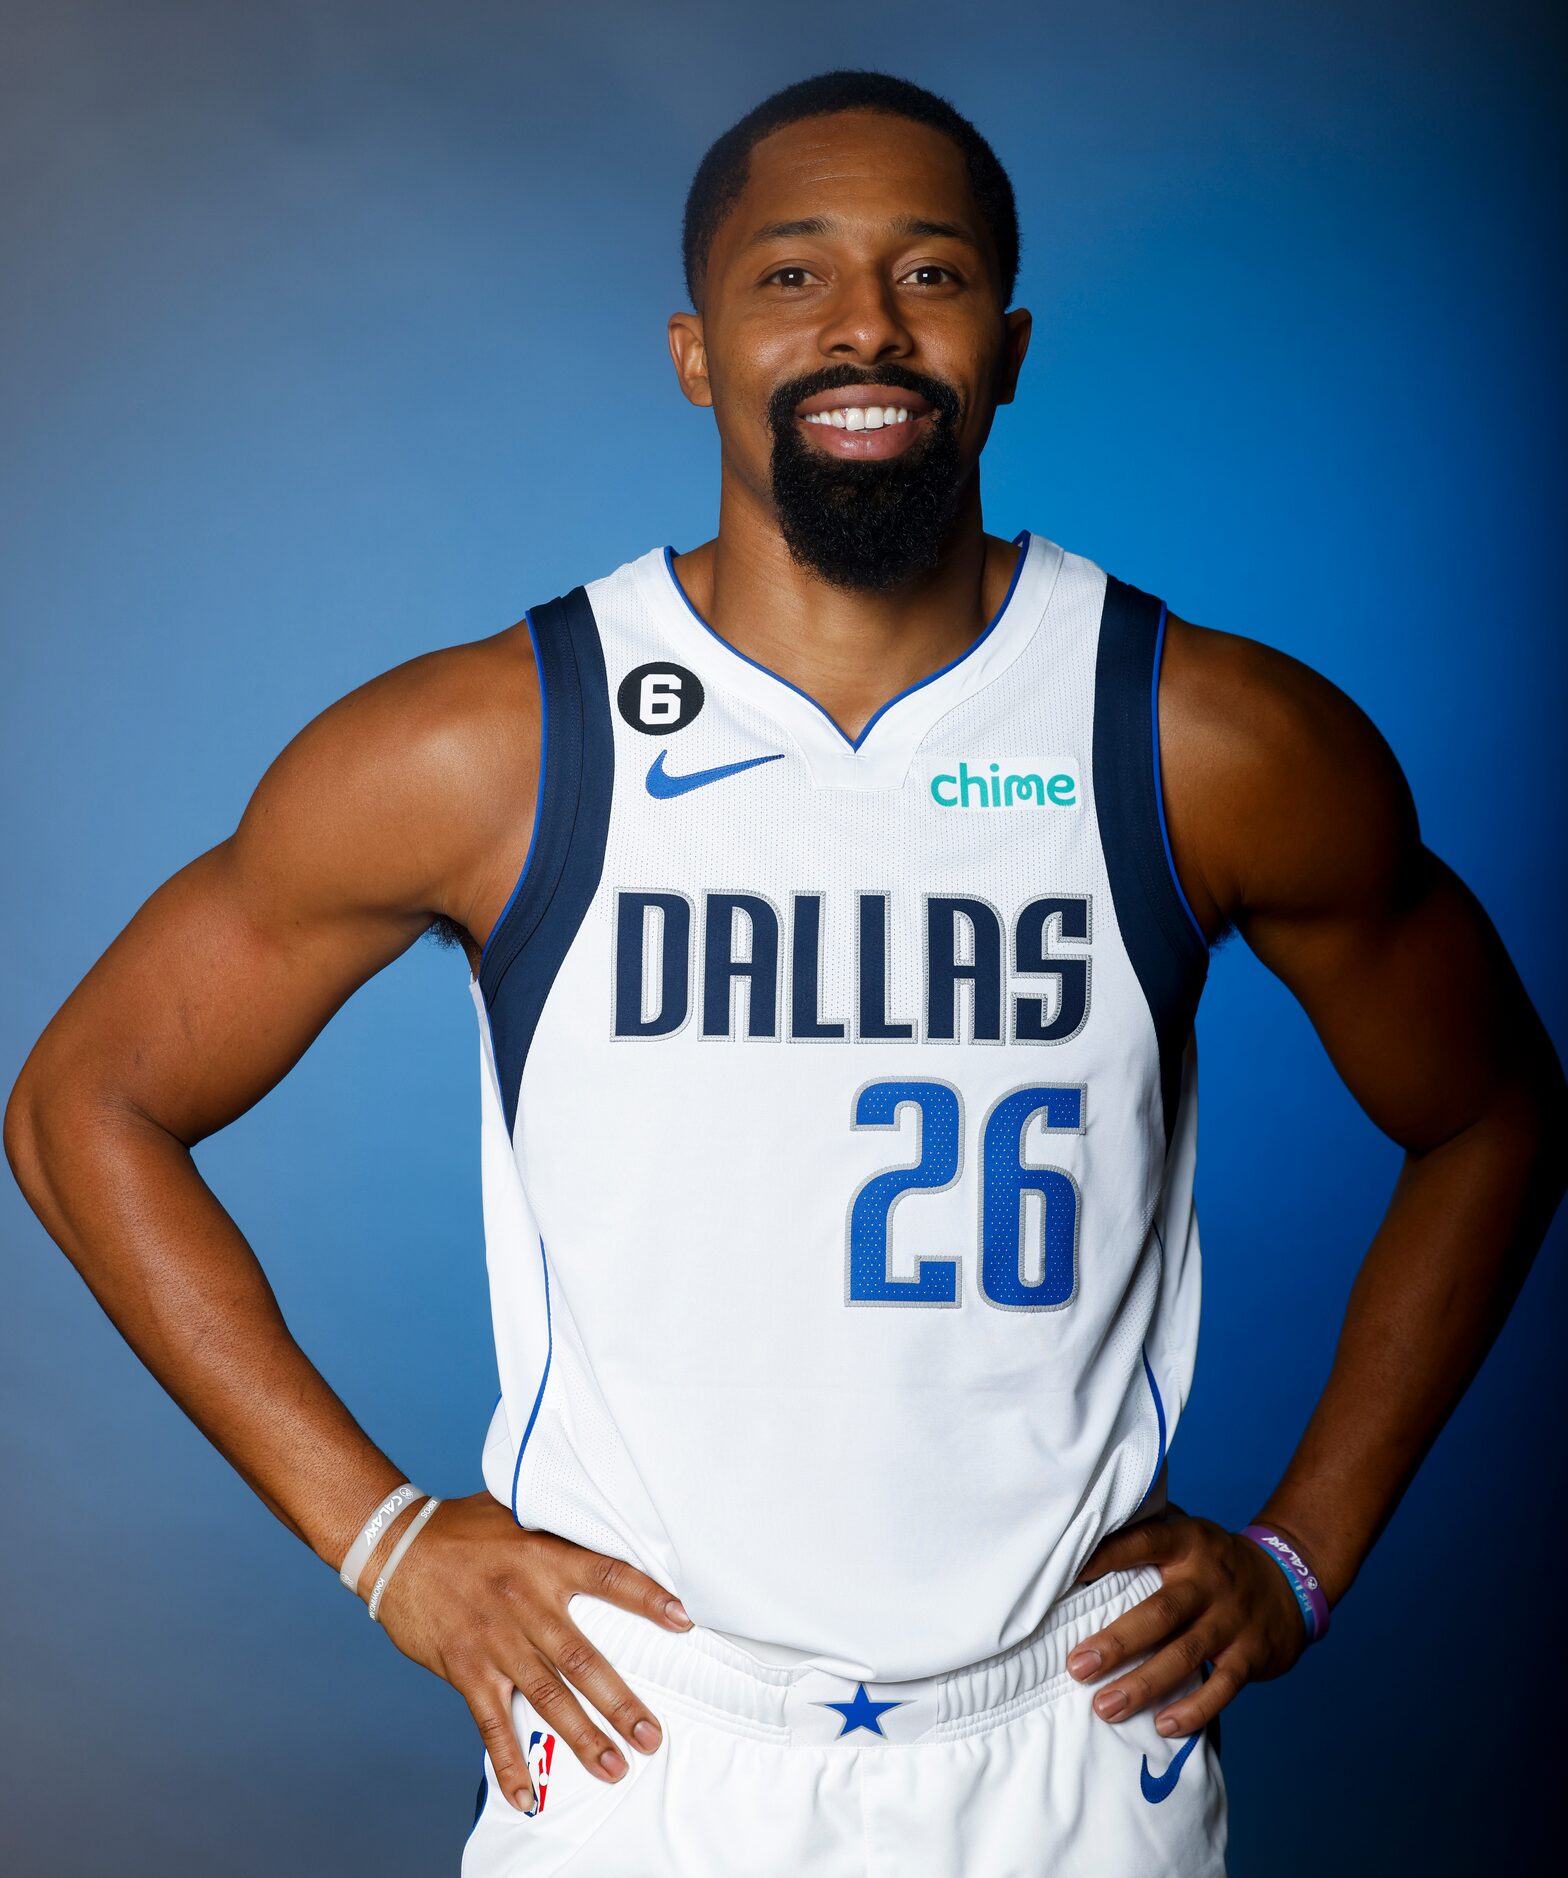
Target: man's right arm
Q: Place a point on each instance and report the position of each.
(407, 801)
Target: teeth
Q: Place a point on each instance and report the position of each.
(861, 416)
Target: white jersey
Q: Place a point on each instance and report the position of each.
(839, 1122)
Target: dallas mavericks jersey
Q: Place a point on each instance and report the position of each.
(839, 1122)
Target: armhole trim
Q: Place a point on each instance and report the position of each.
(1159, 785)
(499, 927)
(566, 851)
(1163, 939)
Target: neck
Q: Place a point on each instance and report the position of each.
(849, 651)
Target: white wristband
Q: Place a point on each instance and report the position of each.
(377, 1524)
(415, 1527)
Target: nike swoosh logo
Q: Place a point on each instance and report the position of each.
(663, 785)
(1157, 1787)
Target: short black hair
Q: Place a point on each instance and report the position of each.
(721, 175)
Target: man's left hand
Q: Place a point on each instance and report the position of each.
(1221, 1601)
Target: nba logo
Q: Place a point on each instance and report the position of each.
(541, 1751)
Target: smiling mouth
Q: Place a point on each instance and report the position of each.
(865, 420)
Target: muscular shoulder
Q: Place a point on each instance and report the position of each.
(407, 795)
(1281, 794)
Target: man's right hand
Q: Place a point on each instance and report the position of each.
(481, 1602)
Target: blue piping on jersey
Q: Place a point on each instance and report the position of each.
(1159, 792)
(1159, 1411)
(549, 1351)
(1020, 540)
(533, 838)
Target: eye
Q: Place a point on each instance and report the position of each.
(789, 276)
(922, 275)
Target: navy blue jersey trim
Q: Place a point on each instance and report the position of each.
(1167, 947)
(533, 836)
(1159, 786)
(566, 855)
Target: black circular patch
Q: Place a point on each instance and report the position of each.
(659, 699)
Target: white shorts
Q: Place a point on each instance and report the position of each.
(998, 1770)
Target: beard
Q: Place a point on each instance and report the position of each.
(867, 526)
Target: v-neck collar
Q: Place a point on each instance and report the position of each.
(879, 758)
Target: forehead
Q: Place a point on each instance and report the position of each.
(857, 167)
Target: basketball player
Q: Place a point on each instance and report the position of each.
(837, 895)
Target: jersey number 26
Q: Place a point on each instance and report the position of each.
(1006, 1182)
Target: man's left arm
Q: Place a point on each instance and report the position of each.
(1291, 819)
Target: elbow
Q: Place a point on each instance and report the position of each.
(1522, 1136)
(1547, 1137)
(66, 1126)
(1552, 1108)
(1554, 1153)
(41, 1120)
(24, 1134)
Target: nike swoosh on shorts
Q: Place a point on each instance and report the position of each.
(1157, 1787)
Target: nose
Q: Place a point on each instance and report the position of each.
(863, 322)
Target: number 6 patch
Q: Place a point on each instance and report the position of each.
(659, 699)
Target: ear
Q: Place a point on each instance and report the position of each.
(1019, 324)
(690, 354)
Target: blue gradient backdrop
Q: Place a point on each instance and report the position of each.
(335, 332)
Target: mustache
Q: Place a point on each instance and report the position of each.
(936, 391)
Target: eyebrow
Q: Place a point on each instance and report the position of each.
(829, 225)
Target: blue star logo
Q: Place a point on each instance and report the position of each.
(862, 1712)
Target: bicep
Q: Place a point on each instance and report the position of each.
(213, 992)
(1392, 957)
(386, 812)
(1411, 992)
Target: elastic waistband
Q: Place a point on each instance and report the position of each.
(800, 1705)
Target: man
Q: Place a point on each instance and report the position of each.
(838, 897)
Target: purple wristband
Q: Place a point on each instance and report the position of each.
(1298, 1575)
